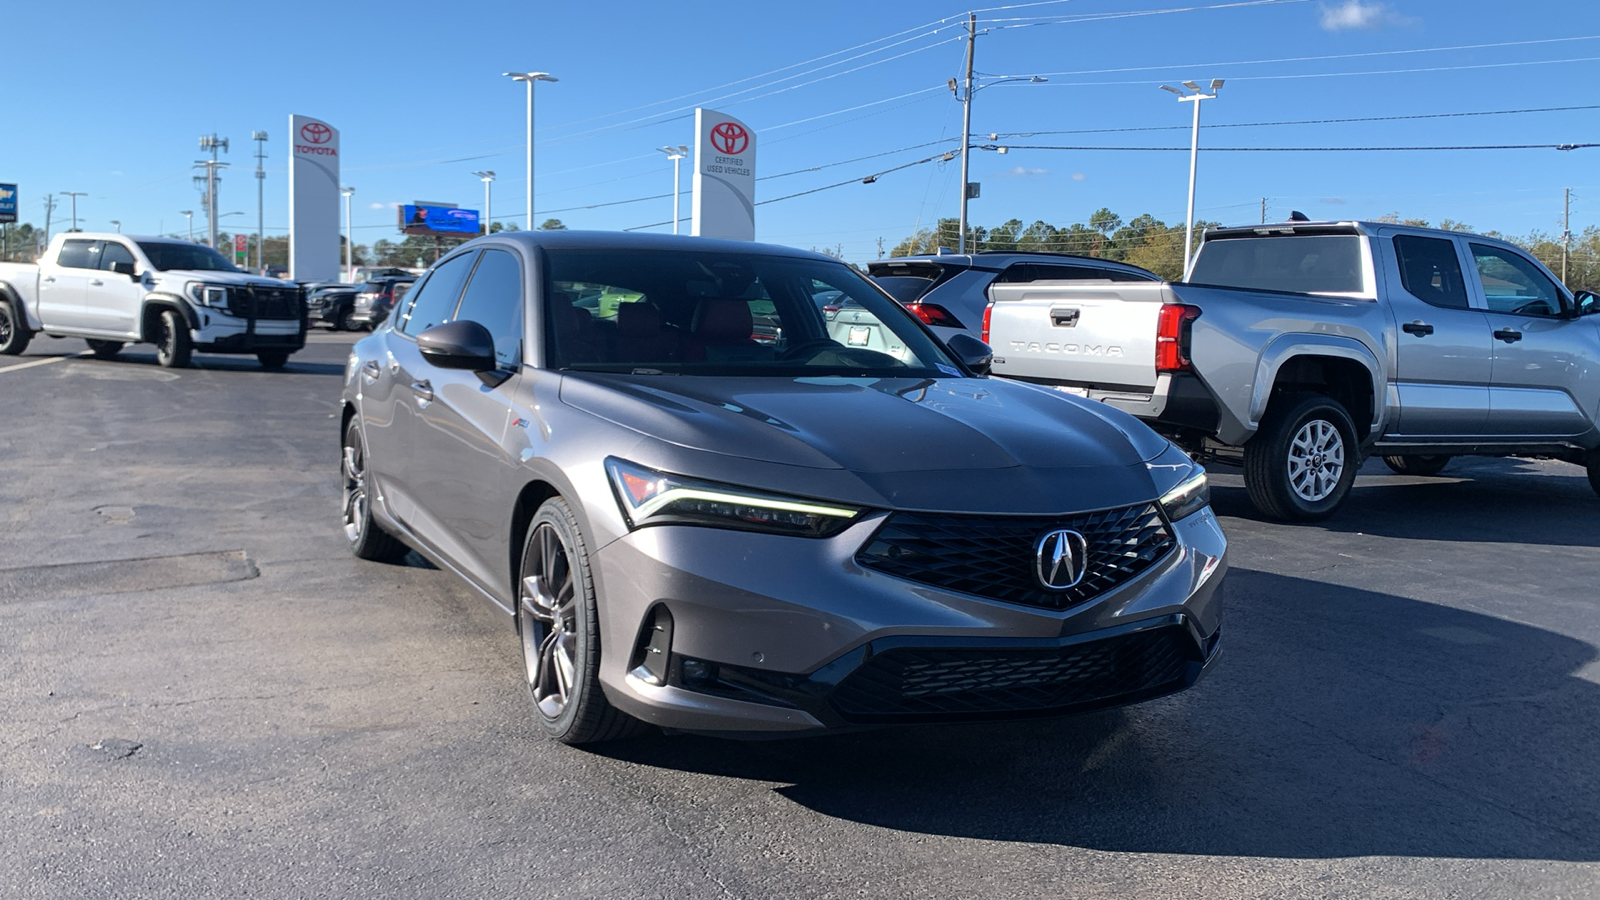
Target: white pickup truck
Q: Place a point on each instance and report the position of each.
(1297, 349)
(115, 289)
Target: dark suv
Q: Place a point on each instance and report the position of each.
(950, 291)
(376, 298)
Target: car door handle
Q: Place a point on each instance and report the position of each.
(1418, 328)
(95, 282)
(423, 390)
(370, 371)
(49, 279)
(1508, 335)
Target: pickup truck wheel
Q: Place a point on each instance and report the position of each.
(367, 538)
(174, 347)
(273, 359)
(103, 349)
(14, 333)
(346, 320)
(1300, 465)
(1417, 465)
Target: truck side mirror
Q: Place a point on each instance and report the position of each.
(123, 268)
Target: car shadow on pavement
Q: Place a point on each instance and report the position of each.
(1485, 500)
(231, 363)
(1340, 722)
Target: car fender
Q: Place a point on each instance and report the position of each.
(1285, 347)
(168, 301)
(29, 316)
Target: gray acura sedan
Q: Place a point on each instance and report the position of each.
(708, 505)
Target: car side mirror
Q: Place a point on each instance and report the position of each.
(1586, 303)
(973, 353)
(123, 268)
(459, 345)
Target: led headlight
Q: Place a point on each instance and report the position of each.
(1182, 482)
(649, 497)
(212, 295)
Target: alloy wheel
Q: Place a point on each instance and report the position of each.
(1316, 460)
(355, 491)
(549, 606)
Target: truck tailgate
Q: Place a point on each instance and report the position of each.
(1099, 335)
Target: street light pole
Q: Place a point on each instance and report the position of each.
(74, 195)
(118, 224)
(676, 154)
(188, 214)
(1194, 96)
(487, 177)
(530, 78)
(260, 137)
(349, 265)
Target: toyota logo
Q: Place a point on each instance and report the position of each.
(730, 138)
(1060, 558)
(316, 133)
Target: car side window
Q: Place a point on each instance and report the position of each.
(114, 253)
(1430, 270)
(1512, 284)
(433, 302)
(494, 300)
(78, 255)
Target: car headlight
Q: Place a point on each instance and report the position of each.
(649, 497)
(212, 295)
(1182, 482)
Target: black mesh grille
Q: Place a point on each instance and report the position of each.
(994, 556)
(264, 303)
(953, 682)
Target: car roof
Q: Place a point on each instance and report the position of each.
(632, 241)
(988, 258)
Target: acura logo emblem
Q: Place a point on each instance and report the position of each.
(1060, 558)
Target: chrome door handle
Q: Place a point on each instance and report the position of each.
(95, 282)
(370, 371)
(423, 390)
(49, 279)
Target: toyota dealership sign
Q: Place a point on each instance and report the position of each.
(724, 177)
(313, 200)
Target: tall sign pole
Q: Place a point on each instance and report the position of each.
(724, 201)
(313, 199)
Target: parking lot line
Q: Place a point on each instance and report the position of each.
(39, 362)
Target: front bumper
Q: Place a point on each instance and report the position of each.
(777, 635)
(223, 333)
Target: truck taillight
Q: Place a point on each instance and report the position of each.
(934, 314)
(1172, 337)
(986, 311)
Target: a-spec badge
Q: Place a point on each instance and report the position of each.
(1060, 558)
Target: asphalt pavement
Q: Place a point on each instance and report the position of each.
(205, 695)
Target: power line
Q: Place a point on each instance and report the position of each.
(1320, 149)
(1450, 115)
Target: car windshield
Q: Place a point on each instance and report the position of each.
(185, 257)
(718, 313)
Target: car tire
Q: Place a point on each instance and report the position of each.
(558, 624)
(14, 333)
(366, 538)
(1418, 465)
(1301, 463)
(346, 320)
(174, 346)
(1594, 469)
(104, 349)
(272, 359)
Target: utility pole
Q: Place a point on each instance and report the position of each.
(1263, 210)
(212, 142)
(349, 263)
(1566, 232)
(880, 246)
(49, 207)
(74, 195)
(966, 131)
(260, 137)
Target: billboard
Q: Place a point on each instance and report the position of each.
(8, 203)
(724, 177)
(417, 219)
(313, 199)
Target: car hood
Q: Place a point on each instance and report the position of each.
(175, 279)
(864, 425)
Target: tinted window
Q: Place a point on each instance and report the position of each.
(1310, 264)
(1513, 284)
(494, 300)
(434, 301)
(1430, 270)
(114, 253)
(77, 255)
(905, 288)
(191, 257)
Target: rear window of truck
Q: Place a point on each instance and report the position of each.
(1307, 264)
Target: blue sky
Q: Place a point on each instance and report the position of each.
(111, 103)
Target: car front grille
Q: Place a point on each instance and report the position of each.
(994, 556)
(264, 303)
(922, 683)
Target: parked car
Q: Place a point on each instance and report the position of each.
(364, 274)
(950, 291)
(1297, 349)
(700, 530)
(333, 304)
(115, 289)
(373, 301)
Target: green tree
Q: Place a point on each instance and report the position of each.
(552, 225)
(1105, 221)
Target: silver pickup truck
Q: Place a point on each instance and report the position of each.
(1296, 350)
